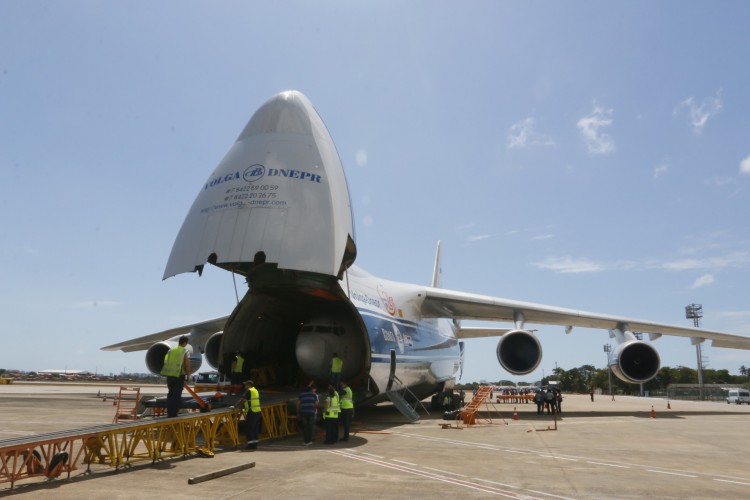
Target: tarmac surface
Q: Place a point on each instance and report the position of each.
(594, 450)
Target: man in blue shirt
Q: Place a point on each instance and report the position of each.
(307, 407)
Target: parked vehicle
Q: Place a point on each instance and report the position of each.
(738, 396)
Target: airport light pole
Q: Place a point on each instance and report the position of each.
(695, 312)
(608, 350)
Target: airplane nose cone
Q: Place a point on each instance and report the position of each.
(280, 193)
(289, 112)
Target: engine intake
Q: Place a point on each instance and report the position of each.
(212, 350)
(635, 361)
(519, 352)
(155, 357)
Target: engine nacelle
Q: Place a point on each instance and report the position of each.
(155, 356)
(212, 350)
(635, 361)
(519, 352)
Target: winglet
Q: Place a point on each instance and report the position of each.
(437, 272)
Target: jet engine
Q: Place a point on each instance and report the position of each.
(212, 350)
(634, 361)
(155, 356)
(519, 352)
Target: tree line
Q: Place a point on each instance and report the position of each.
(586, 377)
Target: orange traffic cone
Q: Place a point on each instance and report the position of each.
(653, 412)
(515, 414)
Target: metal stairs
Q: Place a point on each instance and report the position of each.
(403, 405)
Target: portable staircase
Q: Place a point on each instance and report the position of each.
(399, 399)
(468, 414)
(127, 404)
(403, 405)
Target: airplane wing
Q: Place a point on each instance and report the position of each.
(196, 329)
(439, 302)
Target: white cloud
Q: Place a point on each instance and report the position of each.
(721, 181)
(522, 134)
(569, 265)
(704, 280)
(745, 166)
(479, 237)
(590, 127)
(699, 113)
(734, 259)
(660, 170)
(734, 314)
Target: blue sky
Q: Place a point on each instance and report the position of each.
(581, 154)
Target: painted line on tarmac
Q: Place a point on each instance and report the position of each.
(444, 471)
(429, 475)
(607, 465)
(404, 462)
(549, 495)
(557, 457)
(574, 458)
(495, 482)
(670, 473)
(733, 482)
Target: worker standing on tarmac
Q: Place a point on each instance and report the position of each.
(337, 365)
(237, 363)
(307, 407)
(347, 409)
(539, 400)
(251, 400)
(331, 416)
(176, 368)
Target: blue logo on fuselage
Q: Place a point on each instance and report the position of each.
(254, 173)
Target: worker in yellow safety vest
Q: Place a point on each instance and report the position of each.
(331, 416)
(237, 364)
(252, 414)
(337, 365)
(176, 369)
(347, 408)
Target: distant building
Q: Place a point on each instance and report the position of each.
(64, 372)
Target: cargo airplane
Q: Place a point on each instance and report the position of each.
(277, 211)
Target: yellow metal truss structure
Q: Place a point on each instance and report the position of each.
(117, 445)
(128, 443)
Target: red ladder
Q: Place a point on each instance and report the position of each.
(127, 404)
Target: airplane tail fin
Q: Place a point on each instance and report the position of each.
(437, 272)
